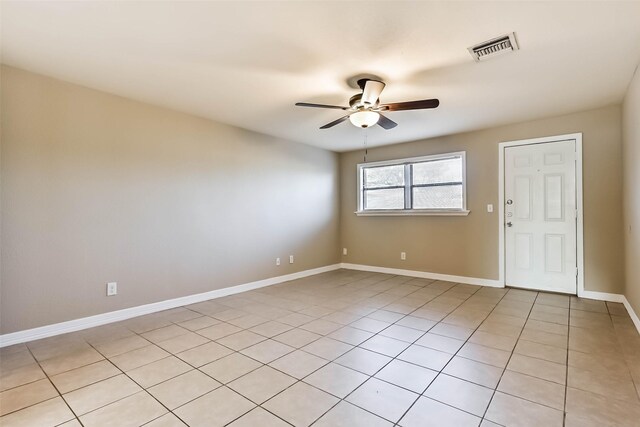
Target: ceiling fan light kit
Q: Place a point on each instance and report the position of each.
(365, 108)
(364, 118)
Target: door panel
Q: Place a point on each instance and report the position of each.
(540, 220)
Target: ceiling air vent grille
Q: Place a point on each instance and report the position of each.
(494, 47)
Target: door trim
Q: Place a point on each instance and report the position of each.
(579, 206)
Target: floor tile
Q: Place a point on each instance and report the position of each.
(541, 351)
(131, 411)
(258, 417)
(70, 361)
(539, 368)
(156, 372)
(80, 377)
(350, 335)
(460, 394)
(370, 325)
(163, 334)
(296, 319)
(182, 342)
(218, 331)
(230, 367)
(364, 361)
(271, 329)
(487, 339)
(247, 321)
(298, 364)
(587, 409)
(297, 337)
(21, 375)
(183, 388)
(167, 420)
(327, 348)
(51, 412)
(214, 409)
(94, 396)
(475, 372)
(26, 395)
(321, 327)
(199, 323)
(347, 415)
(402, 333)
(407, 375)
(267, 351)
(426, 357)
(429, 413)
(533, 389)
(487, 355)
(122, 345)
(207, 353)
(512, 411)
(415, 322)
(385, 345)
(608, 384)
(241, 340)
(440, 342)
(140, 357)
(386, 400)
(452, 331)
(300, 404)
(336, 379)
(261, 384)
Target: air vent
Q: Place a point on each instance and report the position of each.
(494, 47)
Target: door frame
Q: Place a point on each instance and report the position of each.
(579, 205)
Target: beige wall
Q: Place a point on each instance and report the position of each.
(98, 188)
(468, 246)
(631, 188)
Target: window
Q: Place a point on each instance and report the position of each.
(430, 185)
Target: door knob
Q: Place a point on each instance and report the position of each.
(509, 202)
(509, 224)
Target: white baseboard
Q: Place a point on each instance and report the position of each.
(127, 313)
(602, 296)
(632, 314)
(424, 275)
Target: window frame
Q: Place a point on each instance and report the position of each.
(408, 187)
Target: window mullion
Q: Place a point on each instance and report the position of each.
(408, 182)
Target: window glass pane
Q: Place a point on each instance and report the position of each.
(391, 198)
(438, 171)
(438, 197)
(384, 176)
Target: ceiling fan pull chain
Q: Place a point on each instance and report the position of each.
(366, 149)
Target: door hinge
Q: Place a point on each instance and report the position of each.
(576, 272)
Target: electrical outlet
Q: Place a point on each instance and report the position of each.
(403, 256)
(277, 261)
(489, 208)
(290, 259)
(112, 289)
(344, 251)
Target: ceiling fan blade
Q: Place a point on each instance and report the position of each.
(371, 92)
(335, 122)
(410, 105)
(306, 104)
(386, 122)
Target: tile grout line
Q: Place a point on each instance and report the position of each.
(56, 389)
(452, 357)
(495, 390)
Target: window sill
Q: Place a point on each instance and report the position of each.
(414, 213)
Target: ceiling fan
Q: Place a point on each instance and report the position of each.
(365, 109)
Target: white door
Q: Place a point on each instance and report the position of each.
(540, 216)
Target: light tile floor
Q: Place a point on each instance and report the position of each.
(343, 348)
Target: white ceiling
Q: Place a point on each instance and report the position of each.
(247, 63)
